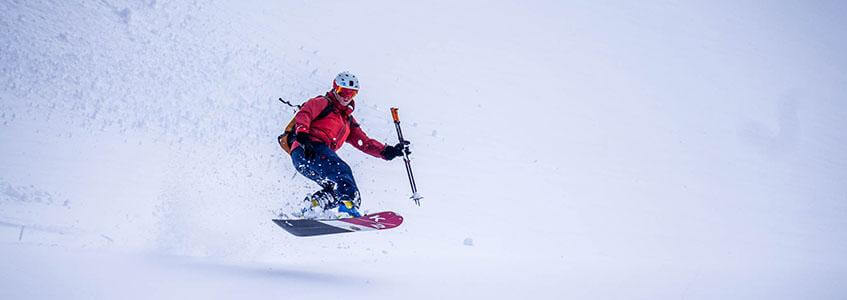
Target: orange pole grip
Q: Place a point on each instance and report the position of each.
(395, 115)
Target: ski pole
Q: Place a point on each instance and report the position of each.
(415, 196)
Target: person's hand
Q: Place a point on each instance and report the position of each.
(390, 152)
(307, 144)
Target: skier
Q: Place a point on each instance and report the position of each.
(321, 127)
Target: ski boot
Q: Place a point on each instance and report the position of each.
(314, 205)
(346, 209)
(322, 199)
(322, 205)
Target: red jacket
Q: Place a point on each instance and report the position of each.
(334, 129)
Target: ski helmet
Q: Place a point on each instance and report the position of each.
(345, 86)
(346, 80)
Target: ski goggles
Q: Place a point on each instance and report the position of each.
(345, 92)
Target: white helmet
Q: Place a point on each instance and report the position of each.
(346, 80)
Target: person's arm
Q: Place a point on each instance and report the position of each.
(361, 141)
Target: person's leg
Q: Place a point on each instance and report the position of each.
(311, 168)
(346, 191)
(342, 176)
(329, 171)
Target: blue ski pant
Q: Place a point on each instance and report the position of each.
(328, 171)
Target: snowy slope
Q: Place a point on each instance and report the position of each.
(589, 150)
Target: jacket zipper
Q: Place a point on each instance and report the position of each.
(340, 132)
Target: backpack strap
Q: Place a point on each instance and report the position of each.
(326, 111)
(286, 139)
(331, 108)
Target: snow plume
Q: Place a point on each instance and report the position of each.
(154, 106)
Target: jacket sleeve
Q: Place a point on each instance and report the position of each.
(361, 141)
(309, 111)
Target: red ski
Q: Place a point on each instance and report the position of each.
(306, 227)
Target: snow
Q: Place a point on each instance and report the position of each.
(587, 150)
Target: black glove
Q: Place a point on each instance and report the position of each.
(307, 144)
(390, 152)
